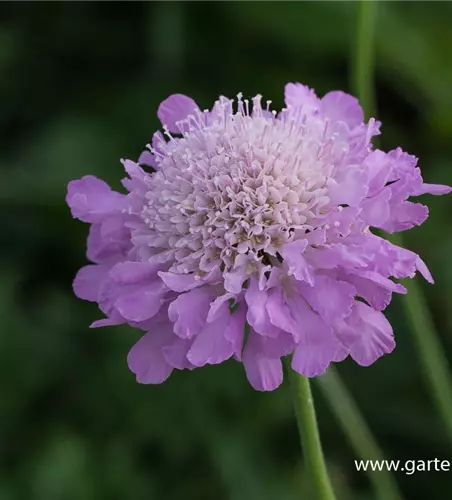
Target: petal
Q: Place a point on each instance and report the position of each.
(235, 331)
(376, 211)
(379, 167)
(348, 256)
(146, 360)
(275, 347)
(108, 294)
(233, 280)
(136, 184)
(374, 288)
(158, 141)
(405, 215)
(404, 166)
(88, 281)
(109, 240)
(186, 282)
(350, 190)
(114, 320)
(423, 269)
(367, 334)
(263, 373)
(216, 306)
(317, 348)
(114, 230)
(331, 298)
(189, 311)
(141, 303)
(298, 95)
(436, 189)
(131, 273)
(91, 199)
(279, 313)
(211, 346)
(316, 237)
(257, 315)
(147, 158)
(344, 220)
(386, 258)
(175, 353)
(97, 249)
(296, 262)
(343, 107)
(179, 282)
(175, 108)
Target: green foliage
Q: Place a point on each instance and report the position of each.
(80, 83)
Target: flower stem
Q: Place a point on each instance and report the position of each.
(357, 432)
(309, 435)
(430, 352)
(363, 60)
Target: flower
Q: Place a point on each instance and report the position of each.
(252, 237)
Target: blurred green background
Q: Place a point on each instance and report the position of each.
(80, 83)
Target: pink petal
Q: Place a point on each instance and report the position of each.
(343, 107)
(317, 346)
(313, 359)
(376, 210)
(114, 320)
(217, 305)
(179, 282)
(186, 282)
(404, 216)
(88, 281)
(235, 331)
(331, 298)
(367, 334)
(436, 189)
(147, 158)
(108, 247)
(279, 313)
(374, 288)
(233, 280)
(423, 269)
(378, 166)
(263, 373)
(146, 360)
(298, 95)
(141, 303)
(175, 108)
(296, 262)
(131, 273)
(91, 199)
(211, 346)
(189, 312)
(257, 315)
(275, 347)
(351, 190)
(175, 353)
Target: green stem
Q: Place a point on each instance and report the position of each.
(309, 435)
(363, 61)
(357, 432)
(430, 352)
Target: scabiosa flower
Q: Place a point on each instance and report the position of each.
(252, 237)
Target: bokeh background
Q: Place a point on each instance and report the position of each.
(80, 83)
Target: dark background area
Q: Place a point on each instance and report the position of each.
(80, 83)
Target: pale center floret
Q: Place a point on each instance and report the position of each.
(236, 184)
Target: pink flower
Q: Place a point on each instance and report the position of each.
(253, 218)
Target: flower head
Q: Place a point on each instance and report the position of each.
(251, 237)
